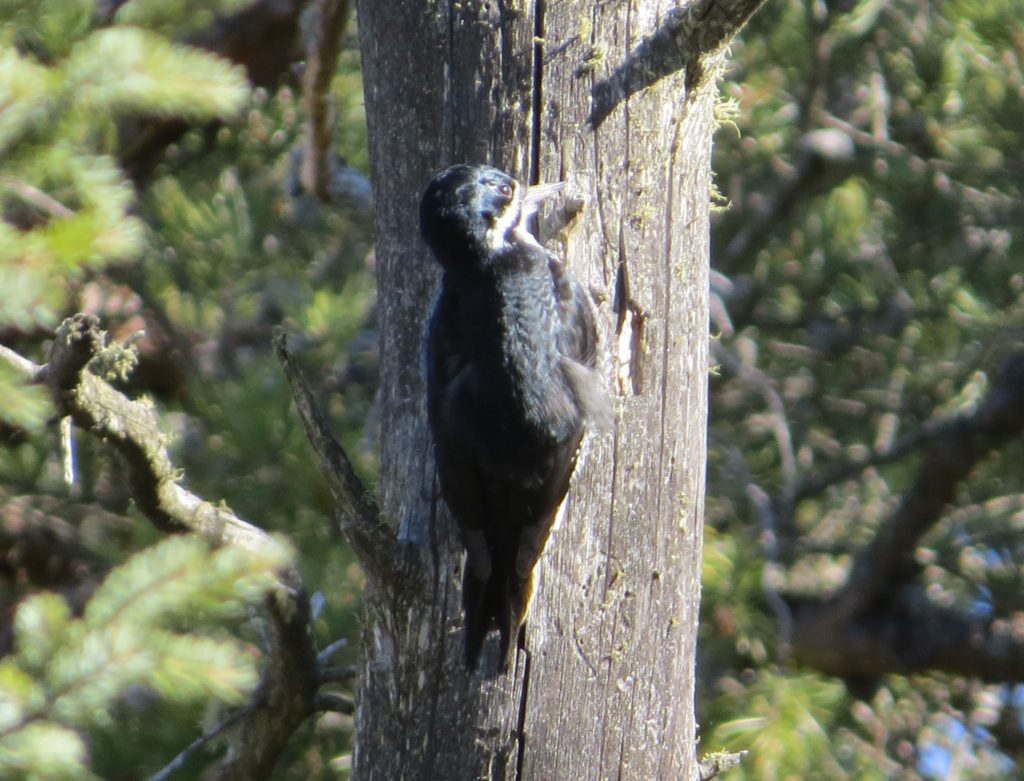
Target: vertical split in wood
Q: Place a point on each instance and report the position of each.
(537, 99)
(629, 338)
(536, 114)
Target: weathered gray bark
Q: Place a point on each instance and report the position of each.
(616, 98)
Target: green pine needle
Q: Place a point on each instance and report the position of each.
(192, 669)
(68, 671)
(131, 70)
(43, 752)
(180, 576)
(176, 15)
(26, 91)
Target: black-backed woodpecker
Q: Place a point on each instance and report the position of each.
(512, 385)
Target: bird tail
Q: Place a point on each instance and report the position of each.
(499, 601)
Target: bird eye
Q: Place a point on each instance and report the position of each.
(505, 190)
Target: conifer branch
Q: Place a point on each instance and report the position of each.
(285, 695)
(260, 37)
(862, 631)
(131, 427)
(887, 561)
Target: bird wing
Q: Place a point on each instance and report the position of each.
(505, 515)
(580, 346)
(576, 311)
(449, 377)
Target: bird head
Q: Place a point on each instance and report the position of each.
(469, 212)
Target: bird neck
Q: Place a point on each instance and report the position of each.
(508, 308)
(509, 325)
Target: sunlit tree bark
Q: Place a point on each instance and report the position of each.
(618, 100)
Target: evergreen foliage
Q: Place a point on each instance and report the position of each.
(192, 265)
(66, 673)
(875, 298)
(64, 83)
(874, 288)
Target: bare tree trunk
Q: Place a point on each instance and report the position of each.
(616, 98)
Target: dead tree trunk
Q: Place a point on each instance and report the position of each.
(617, 99)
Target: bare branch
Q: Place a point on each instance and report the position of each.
(338, 674)
(886, 561)
(686, 38)
(721, 21)
(38, 198)
(325, 26)
(372, 541)
(285, 696)
(763, 505)
(325, 654)
(19, 362)
(131, 427)
(765, 386)
(913, 636)
(715, 764)
(770, 544)
(334, 702)
(197, 745)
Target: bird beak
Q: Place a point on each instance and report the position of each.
(537, 194)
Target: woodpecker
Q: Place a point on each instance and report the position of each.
(512, 386)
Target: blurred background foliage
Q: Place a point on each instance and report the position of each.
(868, 282)
(192, 257)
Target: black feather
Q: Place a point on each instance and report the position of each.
(511, 382)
